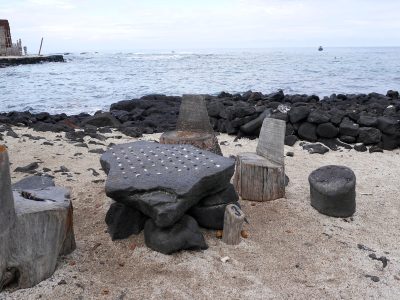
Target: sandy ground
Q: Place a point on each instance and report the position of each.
(293, 252)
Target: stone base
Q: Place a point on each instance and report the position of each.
(201, 140)
(258, 179)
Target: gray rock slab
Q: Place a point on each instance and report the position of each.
(184, 235)
(163, 181)
(33, 183)
(272, 140)
(332, 191)
(193, 115)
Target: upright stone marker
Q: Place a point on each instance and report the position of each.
(271, 142)
(193, 115)
(261, 176)
(193, 126)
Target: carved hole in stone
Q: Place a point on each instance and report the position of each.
(29, 196)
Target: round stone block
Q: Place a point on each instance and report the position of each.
(332, 191)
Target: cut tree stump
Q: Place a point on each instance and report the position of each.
(7, 214)
(233, 222)
(260, 176)
(36, 226)
(259, 179)
(202, 140)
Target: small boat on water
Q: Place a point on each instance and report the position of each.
(320, 48)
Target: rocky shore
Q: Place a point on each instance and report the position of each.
(355, 121)
(8, 61)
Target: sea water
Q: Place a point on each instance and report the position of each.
(88, 82)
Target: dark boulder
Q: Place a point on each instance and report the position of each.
(348, 139)
(308, 131)
(315, 148)
(318, 117)
(209, 212)
(360, 147)
(214, 108)
(392, 94)
(123, 221)
(369, 121)
(388, 125)
(375, 148)
(327, 130)
(290, 140)
(297, 114)
(389, 142)
(349, 128)
(183, 235)
(252, 126)
(101, 120)
(369, 135)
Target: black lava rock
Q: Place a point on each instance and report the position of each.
(327, 130)
(369, 135)
(297, 114)
(360, 148)
(349, 128)
(308, 131)
(315, 148)
(290, 140)
(318, 117)
(183, 235)
(123, 221)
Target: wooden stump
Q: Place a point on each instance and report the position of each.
(7, 215)
(233, 222)
(258, 179)
(203, 140)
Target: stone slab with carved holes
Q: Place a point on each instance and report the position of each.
(163, 181)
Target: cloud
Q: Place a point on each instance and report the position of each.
(133, 24)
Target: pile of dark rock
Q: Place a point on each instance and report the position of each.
(167, 190)
(366, 119)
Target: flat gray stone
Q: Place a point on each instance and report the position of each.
(33, 183)
(332, 191)
(272, 140)
(163, 181)
(193, 115)
(184, 235)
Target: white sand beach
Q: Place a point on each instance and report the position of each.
(292, 251)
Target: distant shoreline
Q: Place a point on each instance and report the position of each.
(8, 61)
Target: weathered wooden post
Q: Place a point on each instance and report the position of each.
(193, 126)
(40, 49)
(260, 176)
(233, 222)
(7, 213)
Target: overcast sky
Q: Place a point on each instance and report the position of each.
(120, 25)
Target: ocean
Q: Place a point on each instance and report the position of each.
(88, 82)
